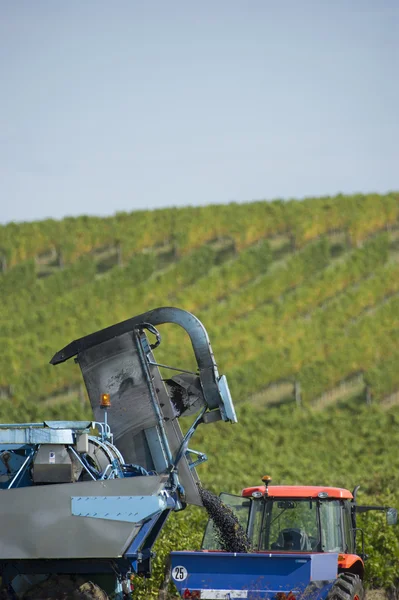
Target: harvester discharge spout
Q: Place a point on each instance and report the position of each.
(145, 408)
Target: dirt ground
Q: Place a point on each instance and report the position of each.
(382, 594)
(376, 595)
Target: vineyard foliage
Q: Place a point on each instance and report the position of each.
(304, 292)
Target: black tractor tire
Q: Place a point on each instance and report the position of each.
(348, 586)
(65, 587)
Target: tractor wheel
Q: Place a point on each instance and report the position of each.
(348, 586)
(64, 587)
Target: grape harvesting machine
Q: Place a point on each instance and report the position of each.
(82, 502)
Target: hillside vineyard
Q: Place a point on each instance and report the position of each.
(301, 303)
(300, 298)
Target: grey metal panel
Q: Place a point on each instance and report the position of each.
(36, 435)
(52, 464)
(154, 443)
(76, 425)
(82, 442)
(37, 521)
(20, 425)
(113, 367)
(188, 477)
(227, 408)
(131, 509)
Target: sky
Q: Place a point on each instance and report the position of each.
(118, 106)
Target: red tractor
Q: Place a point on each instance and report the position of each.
(303, 543)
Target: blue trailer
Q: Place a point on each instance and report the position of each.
(226, 575)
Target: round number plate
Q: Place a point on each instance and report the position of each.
(179, 573)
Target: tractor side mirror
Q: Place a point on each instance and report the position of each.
(392, 516)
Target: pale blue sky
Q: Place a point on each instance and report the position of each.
(110, 106)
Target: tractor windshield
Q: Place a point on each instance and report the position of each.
(296, 524)
(289, 524)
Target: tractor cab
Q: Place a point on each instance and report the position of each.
(306, 519)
